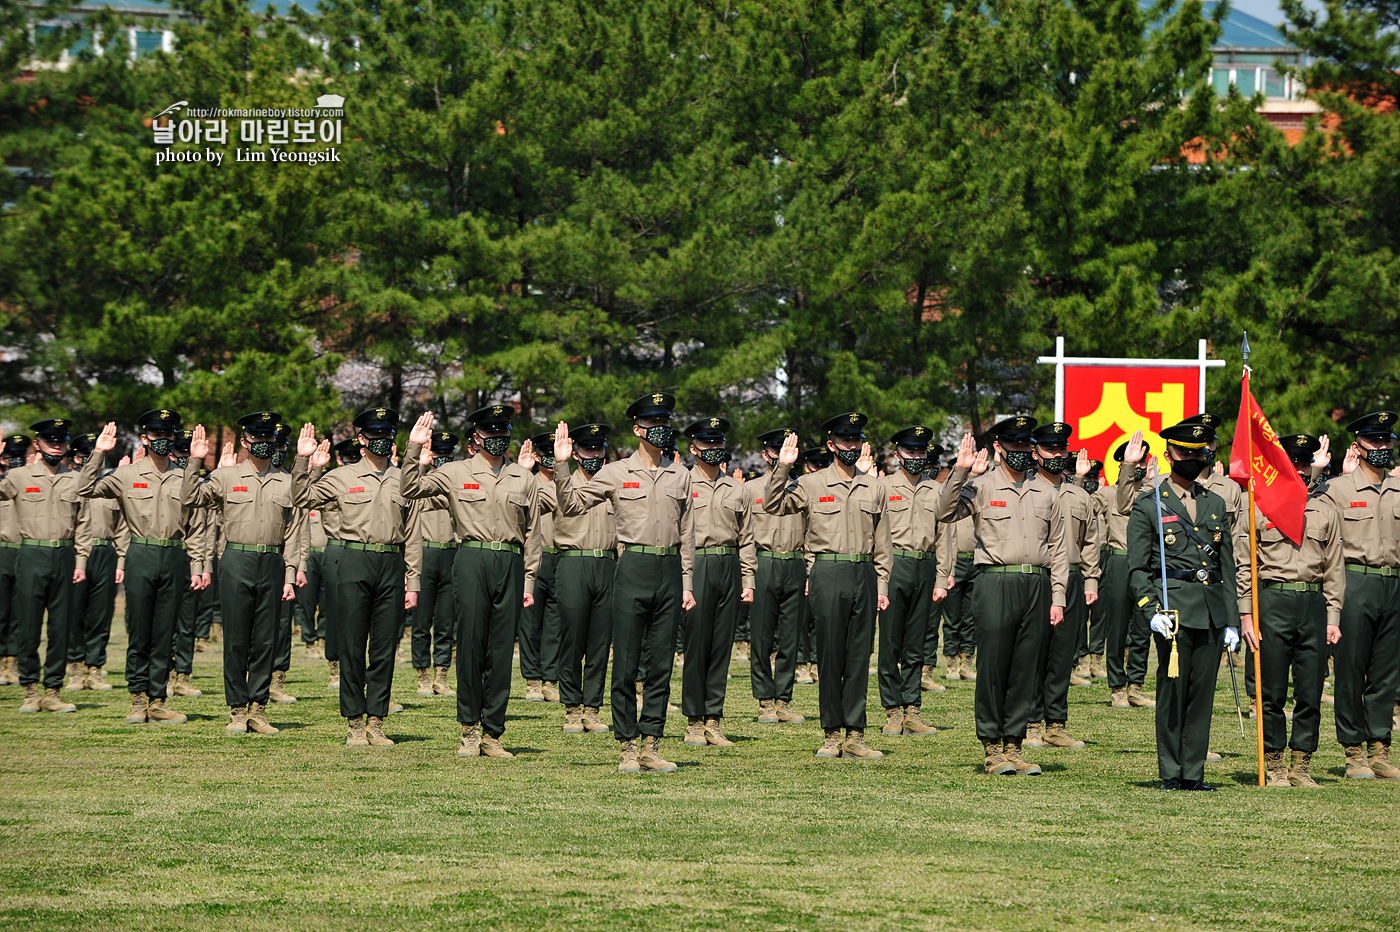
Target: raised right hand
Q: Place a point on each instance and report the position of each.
(199, 446)
(788, 454)
(306, 441)
(563, 446)
(422, 431)
(1135, 450)
(967, 452)
(107, 440)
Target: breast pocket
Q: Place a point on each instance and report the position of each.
(520, 503)
(995, 525)
(679, 501)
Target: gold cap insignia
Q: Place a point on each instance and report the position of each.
(164, 413)
(59, 422)
(1384, 416)
(1020, 422)
(498, 410)
(918, 432)
(714, 422)
(854, 418)
(267, 416)
(380, 412)
(1198, 431)
(657, 398)
(594, 430)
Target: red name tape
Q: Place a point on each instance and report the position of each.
(759, 501)
(471, 485)
(631, 485)
(240, 488)
(1169, 519)
(997, 504)
(1360, 504)
(896, 498)
(357, 488)
(32, 488)
(138, 485)
(694, 494)
(1270, 526)
(827, 498)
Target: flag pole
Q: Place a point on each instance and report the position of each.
(1253, 566)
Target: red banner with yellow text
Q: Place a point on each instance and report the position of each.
(1278, 492)
(1106, 404)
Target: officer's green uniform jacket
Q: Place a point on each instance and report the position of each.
(1207, 605)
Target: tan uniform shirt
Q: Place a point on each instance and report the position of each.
(150, 503)
(912, 508)
(47, 507)
(1318, 559)
(435, 520)
(722, 519)
(372, 508)
(1015, 523)
(488, 506)
(1118, 506)
(9, 522)
(955, 537)
(773, 533)
(1081, 532)
(316, 528)
(842, 516)
(255, 508)
(104, 521)
(650, 506)
(1370, 517)
(595, 529)
(542, 534)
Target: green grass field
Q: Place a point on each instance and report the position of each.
(109, 826)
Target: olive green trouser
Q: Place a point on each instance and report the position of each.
(904, 632)
(709, 635)
(250, 591)
(9, 630)
(43, 580)
(777, 622)
(1125, 628)
(539, 627)
(369, 604)
(1292, 648)
(330, 624)
(488, 587)
(309, 597)
(435, 617)
(156, 580)
(842, 600)
(585, 587)
(1367, 659)
(207, 608)
(1052, 692)
(959, 628)
(94, 603)
(743, 629)
(1012, 612)
(646, 608)
(1184, 703)
(286, 614)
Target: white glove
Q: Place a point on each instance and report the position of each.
(1232, 639)
(1162, 624)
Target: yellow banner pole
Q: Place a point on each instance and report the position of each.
(1254, 581)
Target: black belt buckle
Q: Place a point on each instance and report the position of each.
(1203, 575)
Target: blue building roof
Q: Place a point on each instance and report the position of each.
(1240, 30)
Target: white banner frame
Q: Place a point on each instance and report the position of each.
(1060, 360)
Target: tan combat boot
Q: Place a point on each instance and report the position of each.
(550, 691)
(593, 724)
(471, 742)
(1138, 699)
(894, 722)
(1024, 768)
(425, 682)
(216, 633)
(1379, 755)
(815, 672)
(650, 757)
(1298, 773)
(237, 720)
(954, 663)
(714, 733)
(201, 645)
(492, 747)
(355, 733)
(137, 715)
(629, 764)
(678, 661)
(157, 712)
(767, 712)
(831, 744)
(534, 691)
(1097, 669)
(786, 715)
(926, 680)
(1357, 766)
(933, 685)
(31, 699)
(694, 733)
(394, 707)
(1033, 737)
(95, 680)
(334, 681)
(313, 651)
(994, 761)
(277, 692)
(257, 720)
(803, 676)
(1213, 757)
(170, 682)
(1079, 679)
(7, 676)
(1056, 736)
(375, 733)
(1119, 698)
(75, 677)
(741, 651)
(967, 668)
(1081, 670)
(440, 687)
(1394, 717)
(856, 747)
(915, 726)
(640, 686)
(1275, 772)
(184, 688)
(573, 720)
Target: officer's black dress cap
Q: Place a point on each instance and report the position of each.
(1378, 424)
(260, 423)
(916, 437)
(1054, 434)
(54, 429)
(850, 426)
(1013, 429)
(775, 438)
(159, 419)
(1189, 436)
(654, 404)
(708, 428)
(492, 417)
(443, 441)
(1300, 447)
(377, 419)
(590, 435)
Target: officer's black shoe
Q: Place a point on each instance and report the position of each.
(1172, 784)
(1197, 785)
